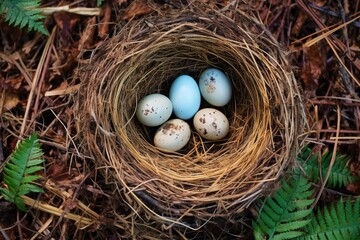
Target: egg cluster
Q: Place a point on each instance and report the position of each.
(184, 102)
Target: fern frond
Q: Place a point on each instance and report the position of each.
(340, 220)
(340, 174)
(23, 13)
(19, 172)
(283, 215)
(99, 2)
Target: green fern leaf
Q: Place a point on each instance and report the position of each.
(341, 220)
(340, 174)
(23, 13)
(19, 171)
(283, 215)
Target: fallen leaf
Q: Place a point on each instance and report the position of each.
(104, 25)
(69, 57)
(299, 23)
(58, 171)
(121, 2)
(63, 89)
(266, 15)
(275, 2)
(137, 8)
(87, 37)
(319, 3)
(313, 65)
(354, 188)
(13, 82)
(11, 100)
(66, 21)
(29, 45)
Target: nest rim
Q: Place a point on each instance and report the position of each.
(213, 186)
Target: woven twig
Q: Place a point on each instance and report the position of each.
(205, 179)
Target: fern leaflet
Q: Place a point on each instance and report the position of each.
(340, 221)
(340, 174)
(23, 13)
(19, 172)
(283, 215)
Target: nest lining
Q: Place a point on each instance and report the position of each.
(206, 178)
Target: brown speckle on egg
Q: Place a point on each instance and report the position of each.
(210, 85)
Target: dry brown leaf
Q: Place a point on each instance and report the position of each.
(60, 90)
(299, 23)
(354, 188)
(87, 37)
(121, 2)
(29, 45)
(137, 8)
(12, 82)
(314, 64)
(356, 63)
(275, 2)
(266, 15)
(104, 26)
(58, 171)
(319, 3)
(11, 100)
(69, 57)
(66, 21)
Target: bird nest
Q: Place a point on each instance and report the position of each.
(206, 178)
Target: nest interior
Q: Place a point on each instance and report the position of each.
(204, 179)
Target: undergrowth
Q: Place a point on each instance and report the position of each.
(288, 213)
(20, 171)
(23, 13)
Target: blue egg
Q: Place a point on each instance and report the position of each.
(215, 87)
(185, 97)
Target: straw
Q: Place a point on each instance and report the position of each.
(205, 179)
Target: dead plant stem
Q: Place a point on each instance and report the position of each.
(332, 158)
(35, 81)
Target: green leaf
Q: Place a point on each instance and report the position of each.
(340, 174)
(287, 212)
(340, 220)
(19, 172)
(23, 13)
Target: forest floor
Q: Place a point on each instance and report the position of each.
(326, 64)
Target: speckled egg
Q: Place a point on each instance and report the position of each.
(154, 109)
(211, 124)
(185, 96)
(172, 135)
(215, 87)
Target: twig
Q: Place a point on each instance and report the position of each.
(56, 211)
(35, 81)
(326, 102)
(67, 90)
(334, 14)
(44, 70)
(6, 237)
(343, 18)
(322, 26)
(329, 32)
(22, 68)
(2, 158)
(332, 158)
(76, 10)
